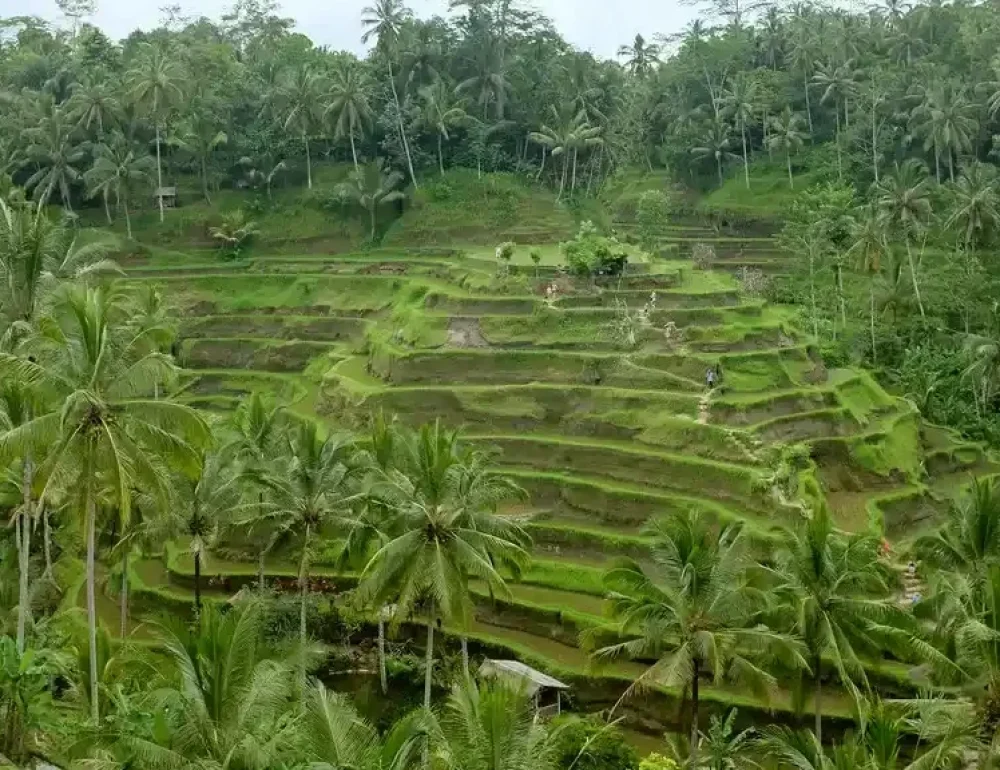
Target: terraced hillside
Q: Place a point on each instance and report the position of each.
(604, 431)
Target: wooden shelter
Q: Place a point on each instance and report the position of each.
(545, 690)
(168, 195)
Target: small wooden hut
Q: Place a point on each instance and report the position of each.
(544, 689)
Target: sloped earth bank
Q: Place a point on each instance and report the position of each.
(603, 435)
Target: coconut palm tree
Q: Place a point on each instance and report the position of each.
(199, 137)
(154, 86)
(788, 136)
(741, 102)
(640, 57)
(441, 112)
(118, 167)
(383, 22)
(838, 83)
(200, 506)
(948, 121)
(968, 540)
(833, 593)
(715, 145)
(903, 201)
(230, 705)
(299, 100)
(869, 247)
(106, 428)
(569, 133)
(54, 153)
(373, 187)
(694, 611)
(260, 439)
(491, 726)
(312, 499)
(348, 105)
(96, 106)
(481, 132)
(488, 83)
(975, 204)
(445, 531)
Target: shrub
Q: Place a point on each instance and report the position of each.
(703, 254)
(606, 747)
(658, 762)
(234, 233)
(651, 215)
(591, 254)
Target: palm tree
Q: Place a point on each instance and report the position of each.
(904, 206)
(715, 145)
(338, 737)
(570, 132)
(868, 249)
(260, 439)
(441, 112)
(788, 135)
(348, 104)
(802, 59)
(481, 132)
(694, 611)
(55, 153)
(200, 505)
(640, 57)
(444, 531)
(947, 119)
(975, 204)
(312, 499)
(199, 136)
(839, 84)
(153, 85)
(299, 98)
(229, 707)
(383, 21)
(101, 373)
(96, 106)
(968, 541)
(373, 187)
(118, 167)
(834, 594)
(741, 100)
(489, 83)
(491, 726)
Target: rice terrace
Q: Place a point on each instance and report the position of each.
(482, 402)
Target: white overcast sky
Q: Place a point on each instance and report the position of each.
(599, 26)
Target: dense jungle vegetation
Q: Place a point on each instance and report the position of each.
(230, 174)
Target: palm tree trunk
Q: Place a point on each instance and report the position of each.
(128, 219)
(123, 609)
(818, 700)
(429, 663)
(465, 658)
(371, 212)
(159, 173)
(107, 208)
(694, 713)
(24, 555)
(541, 169)
(840, 294)
(840, 162)
(90, 525)
(383, 678)
(871, 300)
(746, 161)
(809, 112)
(197, 585)
(575, 154)
(402, 128)
(718, 167)
(913, 276)
(354, 150)
(47, 536)
(788, 159)
(204, 181)
(303, 597)
(562, 180)
(951, 165)
(440, 154)
(309, 168)
(937, 162)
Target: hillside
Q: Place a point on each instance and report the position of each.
(601, 433)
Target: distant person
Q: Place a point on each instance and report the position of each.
(911, 569)
(710, 377)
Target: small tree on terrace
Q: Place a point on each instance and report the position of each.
(651, 215)
(373, 187)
